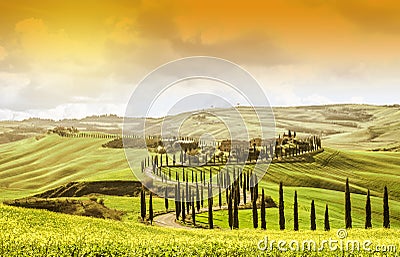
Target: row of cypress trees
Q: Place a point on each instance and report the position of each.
(233, 200)
(143, 206)
(348, 218)
(368, 209)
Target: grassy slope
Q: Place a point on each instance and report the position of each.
(30, 166)
(38, 165)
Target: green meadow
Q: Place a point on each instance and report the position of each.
(36, 164)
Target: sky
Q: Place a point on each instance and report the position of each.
(70, 59)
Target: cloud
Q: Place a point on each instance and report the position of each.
(11, 87)
(357, 99)
(123, 30)
(64, 111)
(38, 43)
(304, 52)
(3, 53)
(252, 48)
(370, 15)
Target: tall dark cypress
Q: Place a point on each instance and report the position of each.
(251, 187)
(230, 211)
(386, 219)
(295, 213)
(166, 198)
(201, 195)
(177, 206)
(248, 181)
(183, 206)
(235, 207)
(368, 217)
(151, 215)
(219, 197)
(187, 195)
(143, 204)
(347, 207)
(241, 179)
(210, 211)
(263, 221)
(326, 221)
(237, 191)
(227, 193)
(244, 188)
(255, 214)
(197, 197)
(187, 198)
(193, 212)
(281, 208)
(255, 186)
(312, 216)
(179, 200)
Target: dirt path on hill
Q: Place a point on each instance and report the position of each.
(168, 219)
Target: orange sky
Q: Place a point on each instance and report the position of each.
(55, 54)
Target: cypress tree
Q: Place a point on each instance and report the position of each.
(312, 216)
(210, 211)
(235, 208)
(193, 212)
(166, 198)
(220, 197)
(179, 200)
(256, 186)
(143, 204)
(201, 195)
(347, 206)
(263, 222)
(187, 197)
(151, 208)
(255, 214)
(176, 203)
(197, 197)
(281, 208)
(183, 206)
(295, 213)
(244, 189)
(368, 223)
(227, 193)
(386, 219)
(326, 221)
(237, 192)
(251, 187)
(230, 213)
(248, 181)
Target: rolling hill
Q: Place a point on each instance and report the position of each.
(347, 126)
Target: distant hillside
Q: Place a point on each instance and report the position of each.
(349, 126)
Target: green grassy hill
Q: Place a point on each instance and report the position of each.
(31, 166)
(38, 165)
(34, 165)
